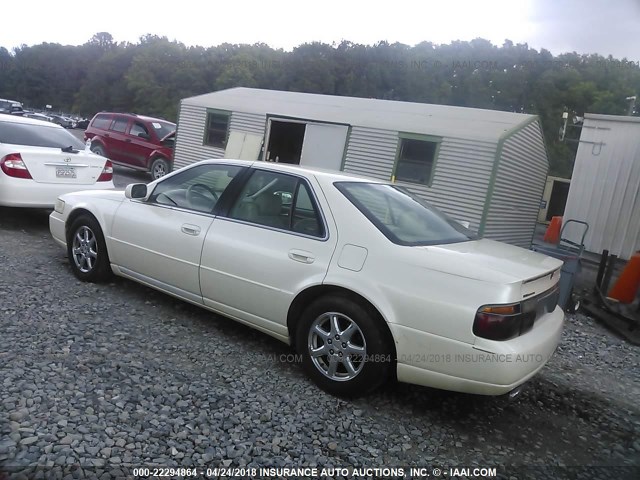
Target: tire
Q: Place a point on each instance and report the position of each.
(159, 168)
(87, 250)
(363, 358)
(98, 150)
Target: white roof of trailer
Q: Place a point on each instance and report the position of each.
(410, 117)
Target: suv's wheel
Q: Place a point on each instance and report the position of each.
(344, 348)
(159, 168)
(87, 250)
(98, 150)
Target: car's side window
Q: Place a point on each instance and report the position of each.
(120, 125)
(278, 200)
(101, 121)
(198, 188)
(306, 217)
(138, 128)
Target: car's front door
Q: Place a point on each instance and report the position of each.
(272, 242)
(140, 144)
(159, 241)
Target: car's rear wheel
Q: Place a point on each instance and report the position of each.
(87, 250)
(159, 168)
(344, 346)
(98, 150)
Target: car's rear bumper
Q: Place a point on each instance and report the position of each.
(27, 193)
(486, 368)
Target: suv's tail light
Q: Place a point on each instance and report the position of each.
(13, 166)
(107, 172)
(502, 322)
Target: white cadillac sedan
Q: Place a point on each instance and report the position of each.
(40, 161)
(365, 280)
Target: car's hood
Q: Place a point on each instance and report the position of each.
(107, 194)
(486, 260)
(168, 135)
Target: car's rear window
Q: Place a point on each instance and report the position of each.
(37, 136)
(402, 217)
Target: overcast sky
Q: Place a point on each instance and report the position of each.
(585, 26)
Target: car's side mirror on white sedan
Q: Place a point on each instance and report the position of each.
(136, 190)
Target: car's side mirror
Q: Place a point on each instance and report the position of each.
(136, 190)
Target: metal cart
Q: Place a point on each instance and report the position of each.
(570, 253)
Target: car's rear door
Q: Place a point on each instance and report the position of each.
(273, 241)
(158, 241)
(116, 139)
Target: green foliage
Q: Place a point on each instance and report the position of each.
(151, 77)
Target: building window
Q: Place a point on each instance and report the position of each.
(416, 160)
(217, 129)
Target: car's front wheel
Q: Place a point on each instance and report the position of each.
(344, 346)
(159, 168)
(87, 250)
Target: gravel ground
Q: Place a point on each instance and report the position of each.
(96, 379)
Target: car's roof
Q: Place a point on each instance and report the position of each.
(135, 115)
(321, 173)
(27, 120)
(153, 119)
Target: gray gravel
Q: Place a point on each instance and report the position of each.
(96, 379)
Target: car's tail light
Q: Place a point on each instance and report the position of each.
(502, 322)
(107, 172)
(13, 166)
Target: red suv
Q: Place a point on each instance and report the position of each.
(139, 142)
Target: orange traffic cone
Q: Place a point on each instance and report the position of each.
(552, 235)
(626, 287)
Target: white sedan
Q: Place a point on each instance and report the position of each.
(40, 161)
(365, 280)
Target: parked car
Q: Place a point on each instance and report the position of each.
(38, 116)
(11, 107)
(82, 123)
(40, 161)
(136, 141)
(366, 280)
(61, 120)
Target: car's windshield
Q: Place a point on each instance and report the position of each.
(163, 129)
(37, 136)
(402, 217)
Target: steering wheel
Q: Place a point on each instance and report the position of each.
(202, 192)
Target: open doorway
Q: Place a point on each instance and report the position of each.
(285, 141)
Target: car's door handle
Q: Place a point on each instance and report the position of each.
(301, 256)
(191, 229)
(127, 140)
(107, 135)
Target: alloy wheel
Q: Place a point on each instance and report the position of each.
(85, 249)
(337, 346)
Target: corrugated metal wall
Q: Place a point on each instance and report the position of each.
(461, 179)
(248, 122)
(518, 188)
(191, 125)
(605, 186)
(371, 152)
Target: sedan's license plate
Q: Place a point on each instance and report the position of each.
(65, 172)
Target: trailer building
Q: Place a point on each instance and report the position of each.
(485, 167)
(605, 185)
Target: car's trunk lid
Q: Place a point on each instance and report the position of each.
(497, 262)
(52, 165)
